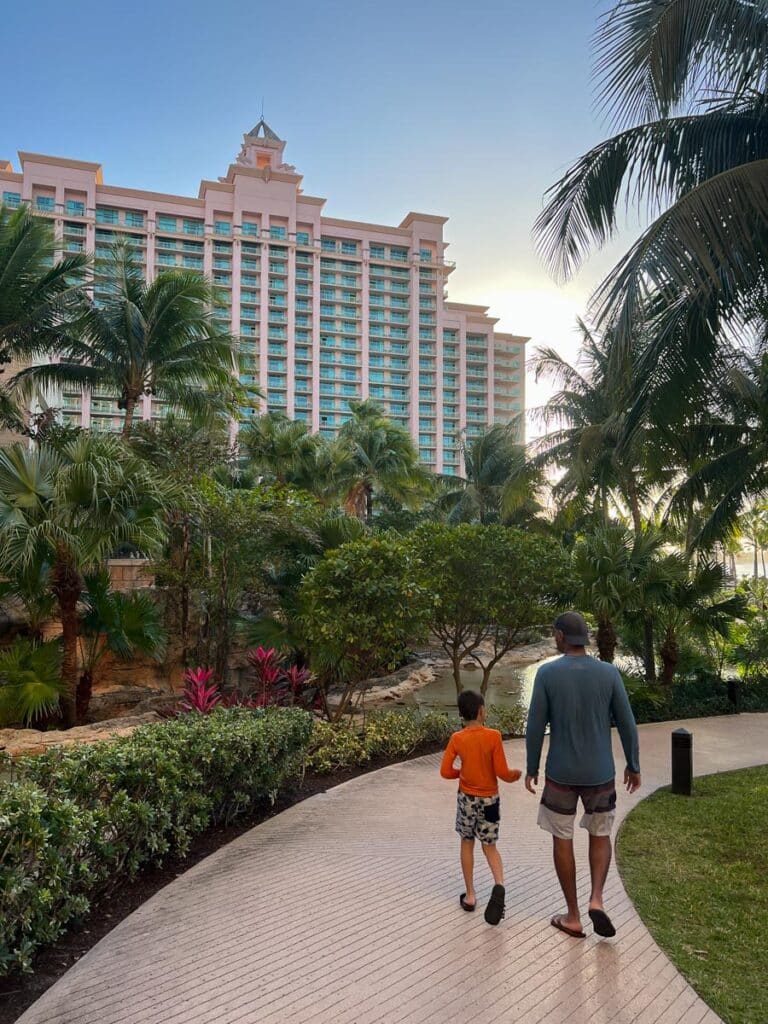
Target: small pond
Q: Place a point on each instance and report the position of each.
(507, 685)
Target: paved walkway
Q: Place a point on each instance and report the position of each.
(344, 910)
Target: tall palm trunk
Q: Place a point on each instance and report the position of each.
(634, 504)
(67, 586)
(606, 639)
(130, 408)
(670, 655)
(368, 505)
(649, 656)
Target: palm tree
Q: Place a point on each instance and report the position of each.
(70, 508)
(30, 681)
(734, 446)
(148, 339)
(381, 456)
(685, 82)
(278, 447)
(499, 483)
(39, 294)
(695, 604)
(612, 568)
(585, 421)
(122, 625)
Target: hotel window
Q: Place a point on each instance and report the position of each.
(425, 439)
(425, 254)
(222, 227)
(134, 219)
(164, 223)
(249, 228)
(349, 280)
(193, 262)
(104, 216)
(46, 203)
(74, 207)
(377, 252)
(302, 237)
(277, 232)
(349, 248)
(193, 227)
(166, 260)
(398, 253)
(328, 244)
(12, 198)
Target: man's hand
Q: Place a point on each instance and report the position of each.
(631, 780)
(531, 781)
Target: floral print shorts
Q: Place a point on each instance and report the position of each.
(477, 817)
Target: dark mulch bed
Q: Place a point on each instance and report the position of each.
(18, 992)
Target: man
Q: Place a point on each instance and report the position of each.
(579, 697)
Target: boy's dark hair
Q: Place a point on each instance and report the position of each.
(470, 703)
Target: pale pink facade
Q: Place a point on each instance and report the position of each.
(326, 310)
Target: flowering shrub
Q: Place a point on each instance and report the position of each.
(84, 818)
(277, 685)
(198, 695)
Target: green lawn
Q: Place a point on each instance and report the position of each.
(697, 870)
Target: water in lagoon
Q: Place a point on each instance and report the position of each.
(507, 685)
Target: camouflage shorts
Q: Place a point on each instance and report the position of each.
(477, 817)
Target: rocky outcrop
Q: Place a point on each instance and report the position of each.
(18, 742)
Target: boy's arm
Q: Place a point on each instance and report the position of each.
(446, 765)
(538, 717)
(500, 766)
(621, 710)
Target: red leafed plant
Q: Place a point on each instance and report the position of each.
(198, 694)
(278, 685)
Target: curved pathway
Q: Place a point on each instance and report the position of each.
(344, 910)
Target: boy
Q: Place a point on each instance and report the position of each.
(477, 814)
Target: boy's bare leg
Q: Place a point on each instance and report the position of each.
(493, 857)
(599, 863)
(468, 869)
(565, 866)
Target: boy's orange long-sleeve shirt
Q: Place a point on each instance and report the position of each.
(482, 761)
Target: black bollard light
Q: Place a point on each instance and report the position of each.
(682, 762)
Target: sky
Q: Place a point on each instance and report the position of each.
(470, 111)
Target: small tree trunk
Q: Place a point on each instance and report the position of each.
(83, 698)
(487, 669)
(606, 640)
(456, 663)
(649, 656)
(69, 673)
(733, 568)
(368, 505)
(755, 562)
(670, 655)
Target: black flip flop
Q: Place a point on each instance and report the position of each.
(602, 924)
(467, 906)
(495, 909)
(556, 922)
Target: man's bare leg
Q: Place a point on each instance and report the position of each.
(565, 866)
(599, 863)
(468, 869)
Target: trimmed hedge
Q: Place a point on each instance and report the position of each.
(393, 734)
(80, 820)
(693, 697)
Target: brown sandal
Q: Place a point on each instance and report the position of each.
(557, 922)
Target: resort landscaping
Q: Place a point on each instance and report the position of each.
(213, 613)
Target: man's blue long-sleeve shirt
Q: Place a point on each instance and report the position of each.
(579, 698)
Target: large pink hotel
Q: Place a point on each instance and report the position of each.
(327, 310)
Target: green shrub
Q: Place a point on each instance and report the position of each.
(91, 816)
(335, 746)
(508, 719)
(47, 870)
